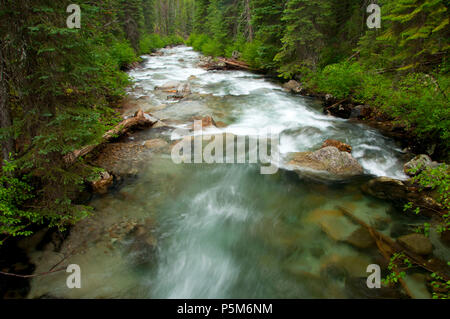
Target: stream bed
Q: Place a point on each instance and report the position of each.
(224, 230)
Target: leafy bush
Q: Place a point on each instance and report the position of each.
(172, 40)
(150, 43)
(212, 47)
(340, 80)
(252, 54)
(13, 193)
(123, 53)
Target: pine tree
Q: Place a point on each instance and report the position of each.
(200, 16)
(131, 18)
(306, 22)
(419, 29)
(266, 19)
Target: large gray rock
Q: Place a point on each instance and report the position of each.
(329, 159)
(293, 86)
(418, 164)
(417, 243)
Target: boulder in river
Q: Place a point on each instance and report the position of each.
(386, 188)
(293, 86)
(329, 159)
(338, 144)
(416, 243)
(419, 164)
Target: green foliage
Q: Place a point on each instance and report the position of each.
(439, 284)
(340, 80)
(416, 100)
(212, 47)
(151, 42)
(123, 53)
(305, 22)
(438, 180)
(418, 29)
(398, 265)
(14, 192)
(205, 44)
(252, 54)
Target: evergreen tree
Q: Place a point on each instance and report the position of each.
(419, 29)
(304, 34)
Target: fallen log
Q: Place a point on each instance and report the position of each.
(235, 63)
(139, 120)
(225, 64)
(388, 247)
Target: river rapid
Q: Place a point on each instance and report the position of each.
(225, 230)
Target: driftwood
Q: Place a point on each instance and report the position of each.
(140, 119)
(388, 247)
(225, 64)
(336, 104)
(35, 275)
(233, 63)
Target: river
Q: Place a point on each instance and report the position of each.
(225, 230)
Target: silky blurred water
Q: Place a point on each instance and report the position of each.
(225, 230)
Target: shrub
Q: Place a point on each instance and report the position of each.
(252, 54)
(340, 80)
(123, 53)
(212, 47)
(150, 43)
(13, 193)
(172, 40)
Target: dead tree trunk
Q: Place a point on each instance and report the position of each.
(140, 119)
(7, 142)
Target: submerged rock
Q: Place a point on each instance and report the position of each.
(333, 223)
(417, 243)
(360, 238)
(156, 143)
(329, 159)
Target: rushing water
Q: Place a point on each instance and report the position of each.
(226, 231)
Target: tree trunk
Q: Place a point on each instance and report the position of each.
(5, 112)
(248, 17)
